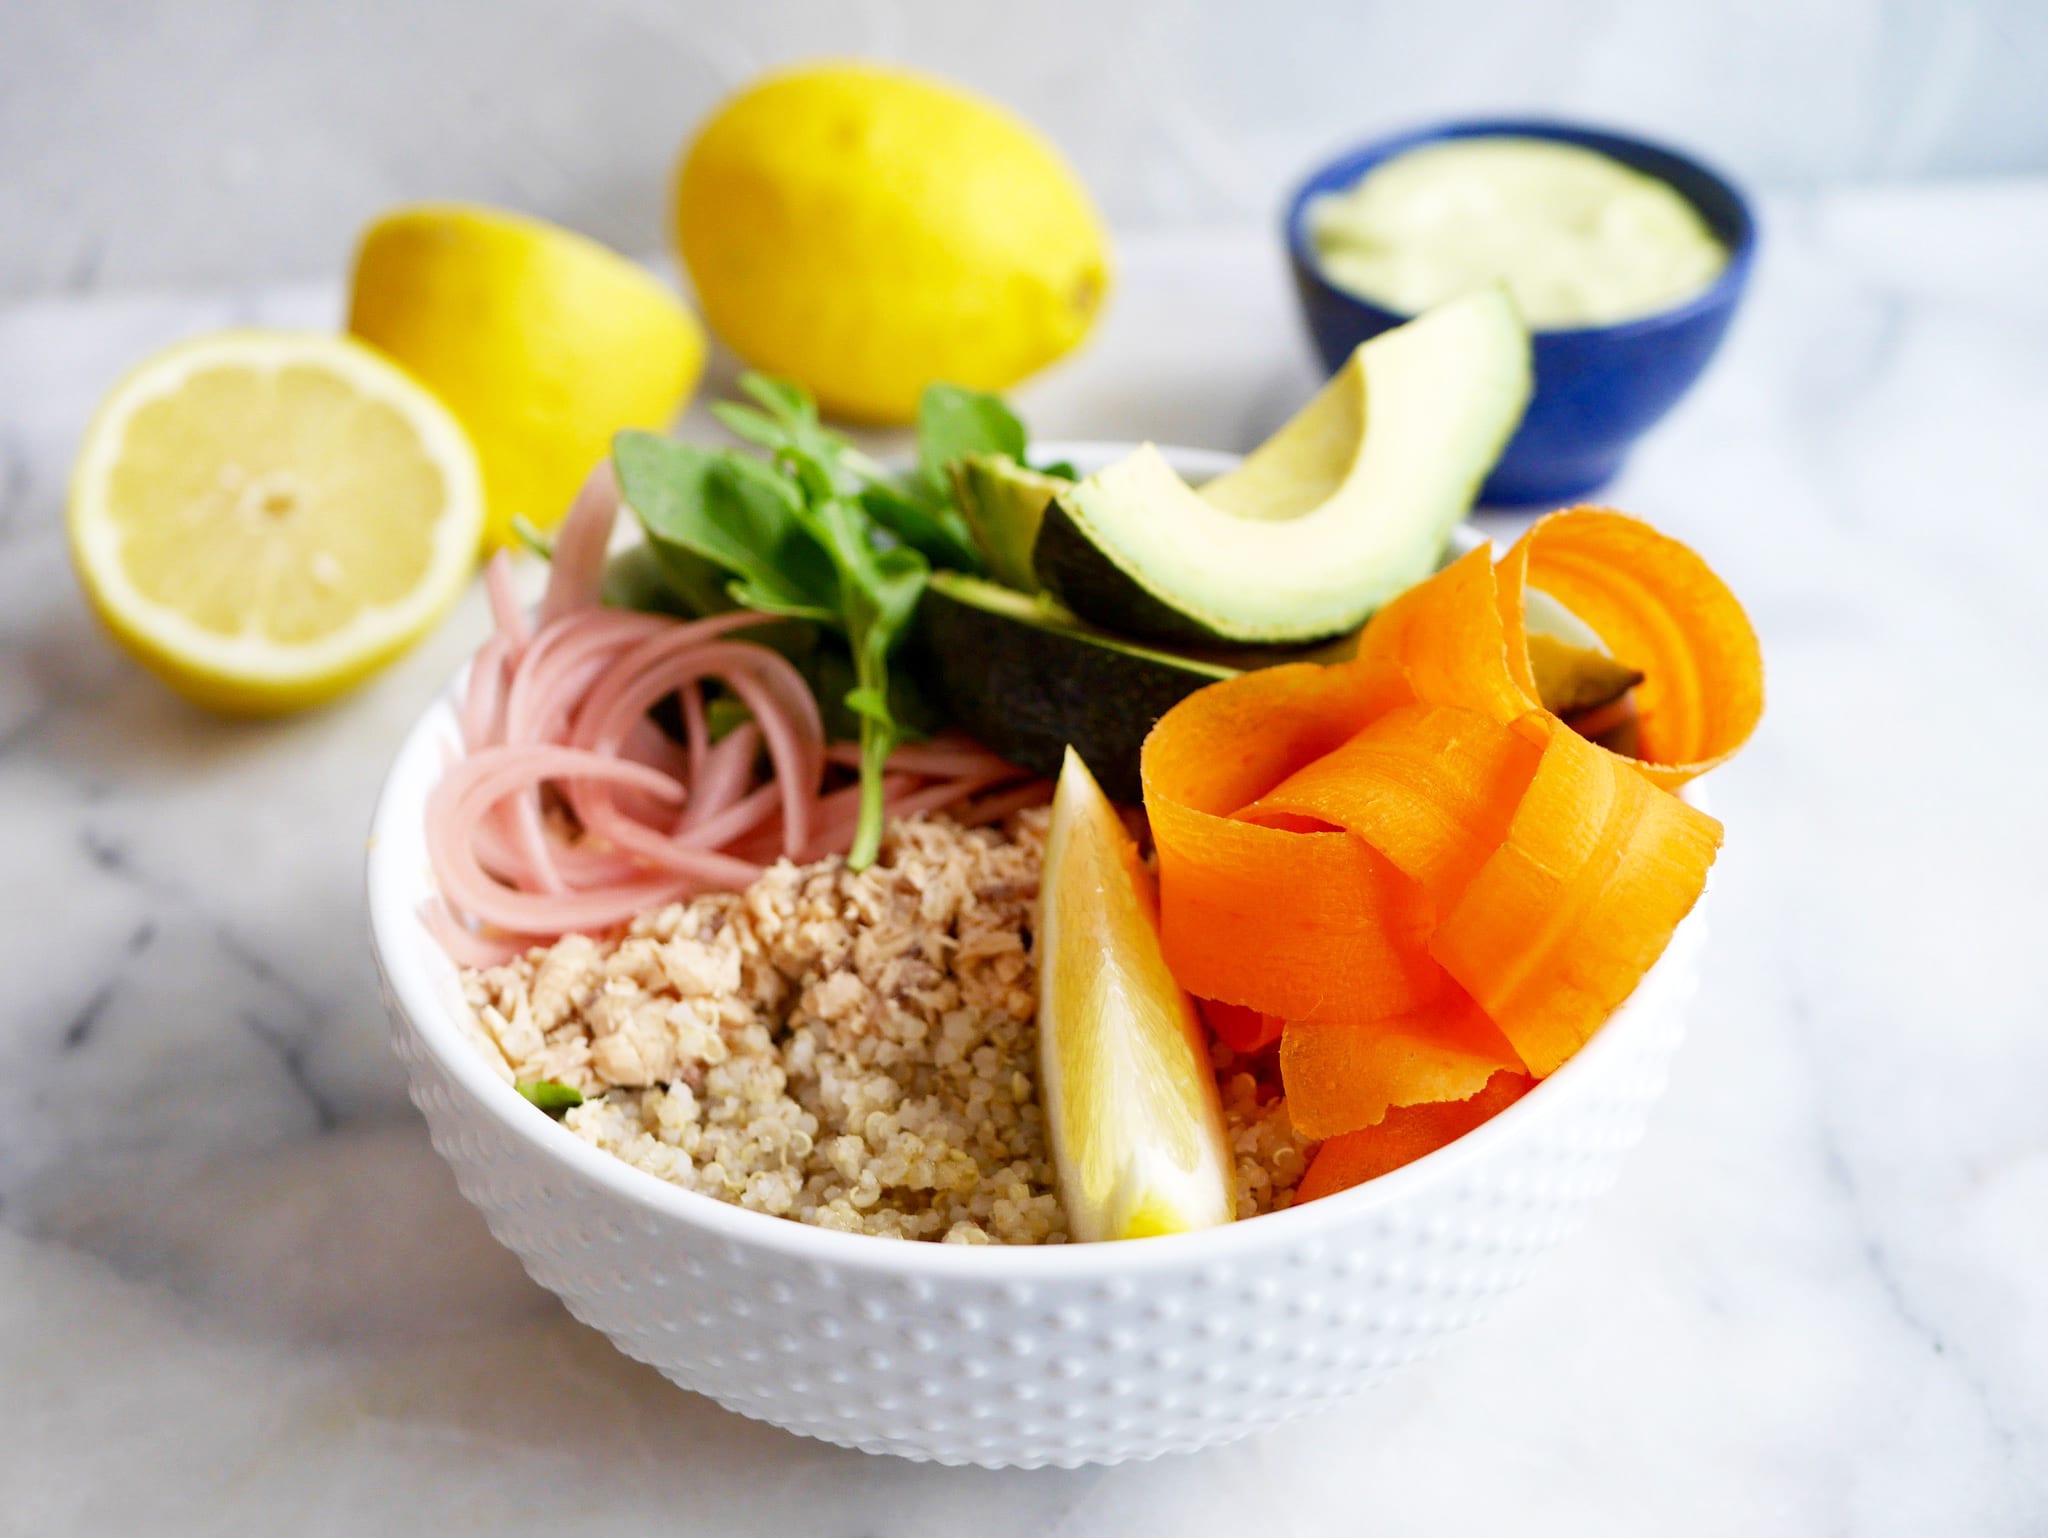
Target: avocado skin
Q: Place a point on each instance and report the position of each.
(1074, 569)
(1027, 690)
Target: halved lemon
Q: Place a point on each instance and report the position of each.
(264, 518)
(1130, 1101)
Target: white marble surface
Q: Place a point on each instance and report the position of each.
(235, 141)
(239, 1294)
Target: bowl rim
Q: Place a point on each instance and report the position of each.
(1343, 170)
(401, 948)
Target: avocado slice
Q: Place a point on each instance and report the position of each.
(1575, 673)
(1571, 679)
(1027, 678)
(1004, 503)
(1349, 504)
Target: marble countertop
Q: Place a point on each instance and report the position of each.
(239, 1293)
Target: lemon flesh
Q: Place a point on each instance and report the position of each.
(867, 231)
(1130, 1101)
(543, 343)
(265, 518)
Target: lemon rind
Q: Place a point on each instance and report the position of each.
(1148, 1182)
(251, 659)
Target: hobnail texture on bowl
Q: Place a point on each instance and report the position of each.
(1598, 388)
(1063, 1354)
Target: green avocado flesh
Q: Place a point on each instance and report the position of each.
(1575, 673)
(1004, 503)
(1028, 679)
(1346, 506)
(1571, 679)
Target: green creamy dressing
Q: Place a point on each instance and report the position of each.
(1579, 238)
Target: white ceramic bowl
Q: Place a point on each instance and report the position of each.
(994, 1355)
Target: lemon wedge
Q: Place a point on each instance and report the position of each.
(264, 518)
(1130, 1101)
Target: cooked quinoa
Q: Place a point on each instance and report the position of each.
(854, 1050)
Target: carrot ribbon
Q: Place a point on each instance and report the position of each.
(1433, 882)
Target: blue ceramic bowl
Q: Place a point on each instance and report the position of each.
(1598, 388)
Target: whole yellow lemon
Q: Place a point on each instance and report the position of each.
(866, 231)
(542, 342)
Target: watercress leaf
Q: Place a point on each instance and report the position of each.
(939, 534)
(879, 590)
(768, 537)
(828, 669)
(780, 398)
(733, 511)
(662, 480)
(749, 595)
(820, 533)
(816, 466)
(787, 425)
(869, 573)
(818, 476)
(696, 582)
(550, 1095)
(953, 423)
(745, 422)
(898, 581)
(872, 703)
(1060, 469)
(639, 579)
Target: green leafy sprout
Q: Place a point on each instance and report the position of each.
(811, 529)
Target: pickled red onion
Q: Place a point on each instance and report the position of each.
(561, 703)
